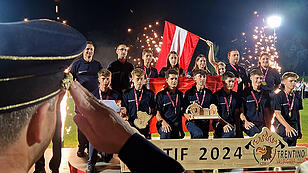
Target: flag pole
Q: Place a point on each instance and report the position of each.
(194, 34)
(202, 39)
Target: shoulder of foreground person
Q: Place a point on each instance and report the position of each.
(140, 155)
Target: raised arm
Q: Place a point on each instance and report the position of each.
(211, 54)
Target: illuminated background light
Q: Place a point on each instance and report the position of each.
(274, 21)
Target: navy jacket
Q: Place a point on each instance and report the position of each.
(281, 104)
(239, 72)
(219, 101)
(165, 107)
(150, 72)
(86, 73)
(111, 94)
(120, 75)
(146, 104)
(190, 97)
(249, 104)
(272, 78)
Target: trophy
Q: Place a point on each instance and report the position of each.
(202, 113)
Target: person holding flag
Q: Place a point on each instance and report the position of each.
(220, 67)
(200, 63)
(139, 99)
(203, 96)
(256, 104)
(287, 104)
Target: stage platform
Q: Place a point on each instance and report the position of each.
(70, 163)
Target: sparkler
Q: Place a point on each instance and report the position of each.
(63, 110)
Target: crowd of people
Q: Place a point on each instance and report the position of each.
(33, 83)
(302, 87)
(34, 58)
(260, 93)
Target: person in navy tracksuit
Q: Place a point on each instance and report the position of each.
(256, 103)
(169, 103)
(147, 57)
(202, 96)
(102, 92)
(239, 72)
(270, 82)
(85, 72)
(139, 98)
(121, 70)
(228, 105)
(287, 105)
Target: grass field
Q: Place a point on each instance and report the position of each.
(70, 129)
(304, 120)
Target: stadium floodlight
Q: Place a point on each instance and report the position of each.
(274, 21)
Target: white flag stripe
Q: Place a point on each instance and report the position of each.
(178, 40)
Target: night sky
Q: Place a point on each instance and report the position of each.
(221, 21)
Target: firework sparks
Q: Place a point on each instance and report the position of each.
(263, 39)
(150, 39)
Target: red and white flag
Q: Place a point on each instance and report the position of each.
(179, 40)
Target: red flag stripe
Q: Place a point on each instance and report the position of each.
(168, 35)
(188, 50)
(179, 40)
